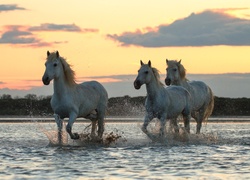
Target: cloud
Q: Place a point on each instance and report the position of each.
(24, 35)
(61, 27)
(17, 35)
(10, 7)
(208, 28)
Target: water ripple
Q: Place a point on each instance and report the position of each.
(221, 152)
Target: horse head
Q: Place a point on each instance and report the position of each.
(53, 68)
(144, 75)
(175, 72)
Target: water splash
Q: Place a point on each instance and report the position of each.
(181, 138)
(109, 138)
(53, 134)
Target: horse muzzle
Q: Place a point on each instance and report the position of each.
(46, 80)
(168, 81)
(137, 84)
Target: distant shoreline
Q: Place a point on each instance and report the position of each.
(118, 119)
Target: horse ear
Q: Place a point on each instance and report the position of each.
(57, 54)
(48, 53)
(167, 61)
(149, 63)
(141, 63)
(179, 61)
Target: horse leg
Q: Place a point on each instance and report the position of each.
(93, 129)
(145, 124)
(174, 123)
(59, 123)
(186, 119)
(72, 119)
(100, 127)
(163, 121)
(101, 115)
(198, 126)
(199, 120)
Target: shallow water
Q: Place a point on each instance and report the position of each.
(222, 151)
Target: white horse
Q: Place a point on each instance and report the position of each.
(162, 103)
(202, 99)
(72, 100)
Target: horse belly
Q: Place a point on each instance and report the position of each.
(179, 104)
(175, 113)
(87, 111)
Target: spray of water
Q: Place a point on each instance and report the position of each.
(183, 137)
(52, 134)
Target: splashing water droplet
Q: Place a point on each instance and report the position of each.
(54, 136)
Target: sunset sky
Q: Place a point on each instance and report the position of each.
(105, 41)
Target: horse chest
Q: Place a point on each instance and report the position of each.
(62, 106)
(154, 108)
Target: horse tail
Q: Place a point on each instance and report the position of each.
(210, 106)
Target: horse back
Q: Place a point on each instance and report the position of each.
(94, 89)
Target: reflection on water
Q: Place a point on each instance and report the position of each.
(222, 151)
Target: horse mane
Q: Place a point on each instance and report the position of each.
(181, 68)
(157, 76)
(68, 72)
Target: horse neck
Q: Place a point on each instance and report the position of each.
(153, 88)
(182, 82)
(60, 86)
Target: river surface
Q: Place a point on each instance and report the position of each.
(222, 151)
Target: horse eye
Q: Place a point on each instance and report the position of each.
(55, 65)
(175, 69)
(146, 72)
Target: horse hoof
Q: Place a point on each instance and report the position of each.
(93, 135)
(144, 130)
(75, 136)
(98, 139)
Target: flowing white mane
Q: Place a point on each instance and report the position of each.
(68, 72)
(157, 75)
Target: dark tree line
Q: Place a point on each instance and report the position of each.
(32, 105)
(29, 105)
